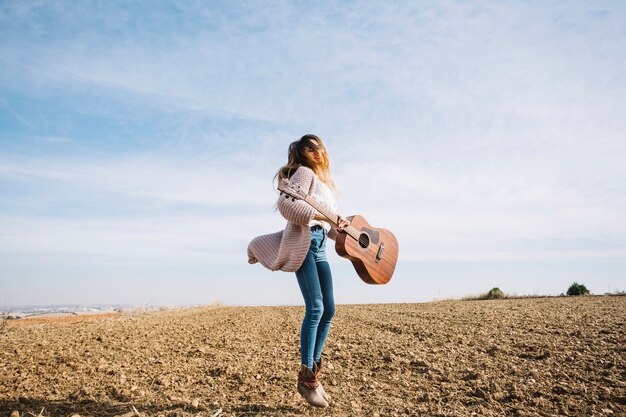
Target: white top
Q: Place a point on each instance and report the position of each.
(324, 195)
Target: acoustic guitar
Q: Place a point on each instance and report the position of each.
(373, 251)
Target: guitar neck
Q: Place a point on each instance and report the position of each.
(332, 217)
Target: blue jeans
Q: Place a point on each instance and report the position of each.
(316, 284)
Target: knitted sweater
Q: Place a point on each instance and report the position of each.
(286, 250)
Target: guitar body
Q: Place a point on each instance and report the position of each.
(373, 251)
(373, 255)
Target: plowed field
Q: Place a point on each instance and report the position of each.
(521, 357)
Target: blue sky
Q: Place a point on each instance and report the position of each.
(138, 143)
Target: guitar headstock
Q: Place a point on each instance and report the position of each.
(291, 190)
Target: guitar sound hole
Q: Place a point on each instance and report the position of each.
(364, 240)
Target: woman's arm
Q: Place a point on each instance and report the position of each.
(298, 211)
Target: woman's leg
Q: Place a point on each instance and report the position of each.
(309, 283)
(328, 309)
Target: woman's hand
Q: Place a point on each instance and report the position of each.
(342, 223)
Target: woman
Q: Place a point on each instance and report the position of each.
(301, 248)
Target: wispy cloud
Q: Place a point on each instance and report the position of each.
(144, 208)
(203, 182)
(437, 214)
(406, 63)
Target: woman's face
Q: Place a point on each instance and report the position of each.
(312, 153)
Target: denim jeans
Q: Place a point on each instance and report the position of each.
(316, 283)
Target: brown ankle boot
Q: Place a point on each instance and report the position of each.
(317, 370)
(308, 387)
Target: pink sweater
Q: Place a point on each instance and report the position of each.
(286, 250)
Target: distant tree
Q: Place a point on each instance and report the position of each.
(495, 293)
(577, 289)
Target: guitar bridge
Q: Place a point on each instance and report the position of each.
(379, 254)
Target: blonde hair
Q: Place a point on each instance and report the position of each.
(297, 156)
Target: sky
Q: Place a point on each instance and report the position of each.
(138, 142)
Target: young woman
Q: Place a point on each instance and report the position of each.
(301, 248)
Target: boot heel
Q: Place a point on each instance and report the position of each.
(308, 387)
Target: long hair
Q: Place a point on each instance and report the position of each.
(297, 156)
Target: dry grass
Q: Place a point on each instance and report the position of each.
(3, 322)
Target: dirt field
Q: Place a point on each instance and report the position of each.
(547, 357)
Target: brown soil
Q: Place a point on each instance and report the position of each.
(549, 356)
(60, 319)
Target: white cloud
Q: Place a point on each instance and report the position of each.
(153, 240)
(162, 207)
(149, 178)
